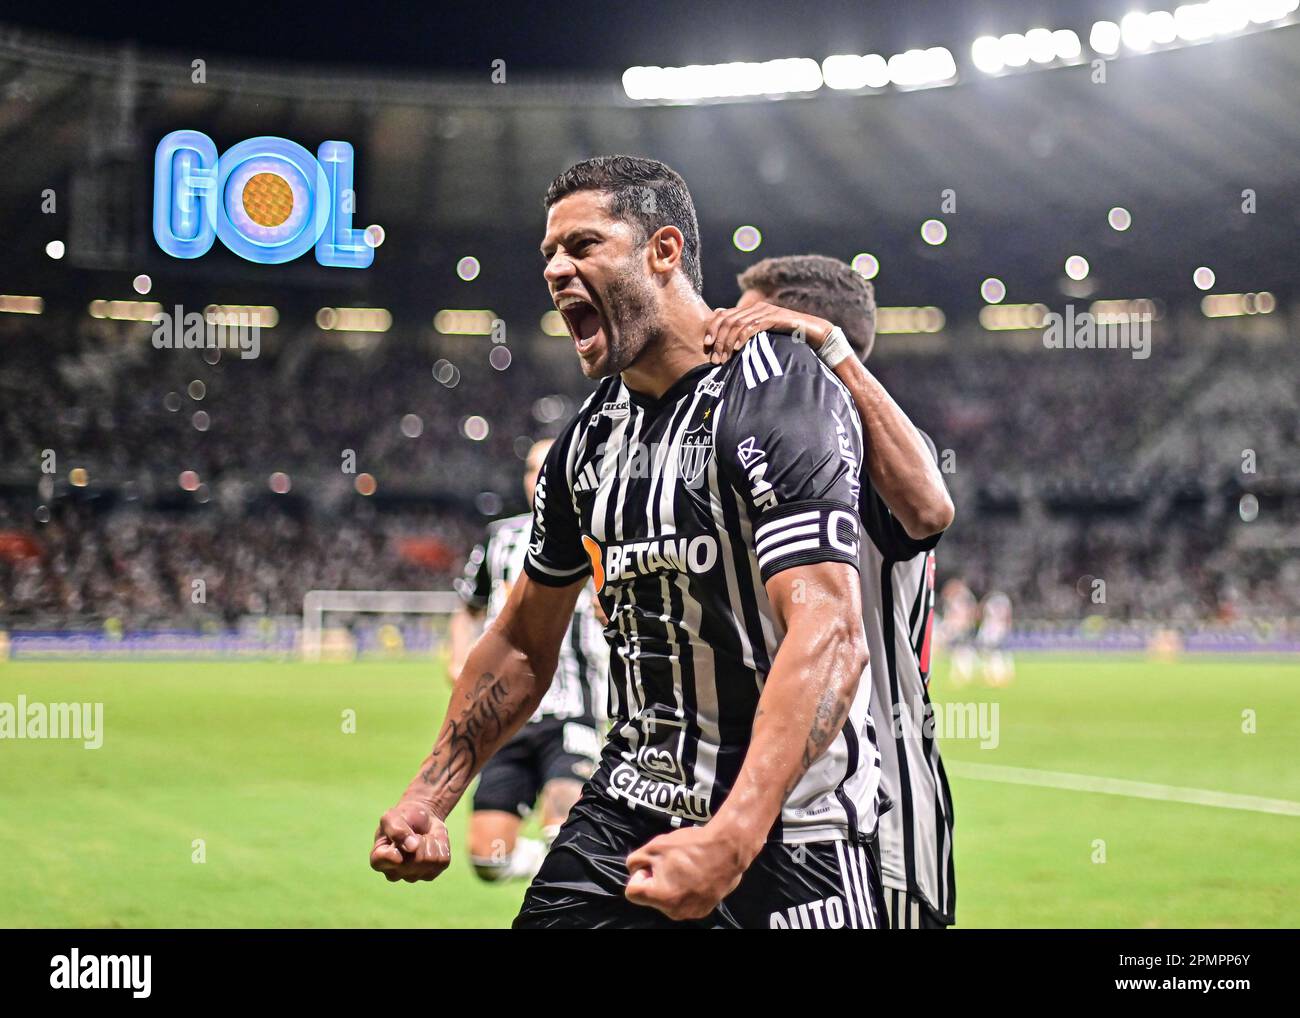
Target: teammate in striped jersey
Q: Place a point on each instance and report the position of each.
(718, 519)
(555, 752)
(904, 509)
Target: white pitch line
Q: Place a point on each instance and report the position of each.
(1118, 786)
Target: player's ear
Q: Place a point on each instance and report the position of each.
(665, 249)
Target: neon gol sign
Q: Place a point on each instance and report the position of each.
(267, 199)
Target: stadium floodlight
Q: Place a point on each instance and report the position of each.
(1261, 12)
(1067, 44)
(909, 320)
(786, 76)
(452, 322)
(262, 315)
(1041, 45)
(919, 68)
(553, 324)
(1012, 317)
(354, 319)
(986, 54)
(993, 54)
(1104, 38)
(1192, 22)
(1135, 32)
(1015, 49)
(1233, 305)
(1228, 16)
(850, 71)
(1124, 312)
(125, 310)
(1162, 28)
(14, 304)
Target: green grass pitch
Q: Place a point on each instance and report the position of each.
(252, 759)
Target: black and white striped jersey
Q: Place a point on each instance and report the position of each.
(682, 508)
(579, 687)
(898, 601)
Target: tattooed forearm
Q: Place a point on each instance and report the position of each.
(470, 735)
(832, 709)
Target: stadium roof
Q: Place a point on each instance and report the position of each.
(454, 166)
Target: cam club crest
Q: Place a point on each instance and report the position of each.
(693, 455)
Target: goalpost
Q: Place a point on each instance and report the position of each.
(383, 602)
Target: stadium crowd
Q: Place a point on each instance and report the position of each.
(1066, 467)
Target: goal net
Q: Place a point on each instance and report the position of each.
(384, 622)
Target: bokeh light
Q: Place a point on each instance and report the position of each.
(445, 372)
(747, 238)
(934, 232)
(866, 265)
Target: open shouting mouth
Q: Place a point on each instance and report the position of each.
(586, 324)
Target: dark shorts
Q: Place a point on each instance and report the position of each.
(542, 751)
(911, 912)
(818, 885)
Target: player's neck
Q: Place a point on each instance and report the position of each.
(676, 350)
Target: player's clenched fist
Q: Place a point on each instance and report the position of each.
(411, 843)
(685, 874)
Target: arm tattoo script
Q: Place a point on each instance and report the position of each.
(832, 709)
(456, 757)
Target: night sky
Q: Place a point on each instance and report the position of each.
(589, 38)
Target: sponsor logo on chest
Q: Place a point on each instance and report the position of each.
(631, 560)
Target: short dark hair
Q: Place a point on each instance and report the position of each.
(821, 286)
(645, 193)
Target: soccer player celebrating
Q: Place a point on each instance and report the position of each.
(717, 517)
(556, 750)
(905, 508)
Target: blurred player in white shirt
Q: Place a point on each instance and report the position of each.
(997, 666)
